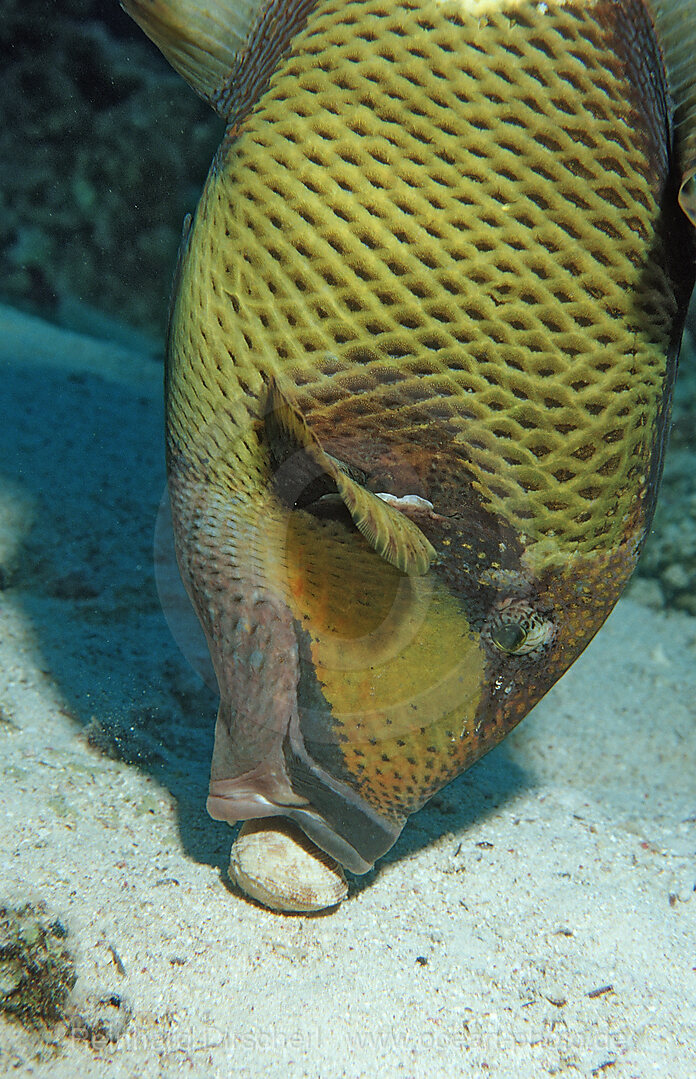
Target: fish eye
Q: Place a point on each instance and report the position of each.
(509, 637)
(518, 629)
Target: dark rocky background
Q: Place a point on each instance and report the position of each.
(103, 149)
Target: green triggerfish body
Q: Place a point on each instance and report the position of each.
(422, 346)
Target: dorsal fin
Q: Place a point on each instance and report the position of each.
(676, 28)
(226, 49)
(305, 471)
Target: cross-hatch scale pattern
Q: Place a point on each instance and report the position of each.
(432, 217)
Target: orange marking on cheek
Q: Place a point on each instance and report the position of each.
(297, 586)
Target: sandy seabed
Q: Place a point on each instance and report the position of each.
(537, 918)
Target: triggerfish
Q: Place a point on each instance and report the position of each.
(422, 344)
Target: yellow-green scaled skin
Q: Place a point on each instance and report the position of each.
(450, 238)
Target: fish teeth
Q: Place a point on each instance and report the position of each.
(273, 862)
(405, 500)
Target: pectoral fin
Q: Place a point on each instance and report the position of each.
(304, 472)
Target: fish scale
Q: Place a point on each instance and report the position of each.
(497, 303)
(440, 253)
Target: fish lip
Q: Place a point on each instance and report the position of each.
(263, 791)
(236, 807)
(330, 841)
(330, 812)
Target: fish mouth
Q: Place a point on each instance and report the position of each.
(354, 713)
(330, 812)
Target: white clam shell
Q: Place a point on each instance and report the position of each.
(274, 862)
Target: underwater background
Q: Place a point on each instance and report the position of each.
(536, 918)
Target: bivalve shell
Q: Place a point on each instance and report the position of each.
(273, 862)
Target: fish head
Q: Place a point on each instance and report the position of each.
(374, 625)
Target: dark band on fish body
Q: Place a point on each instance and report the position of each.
(271, 36)
(340, 821)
